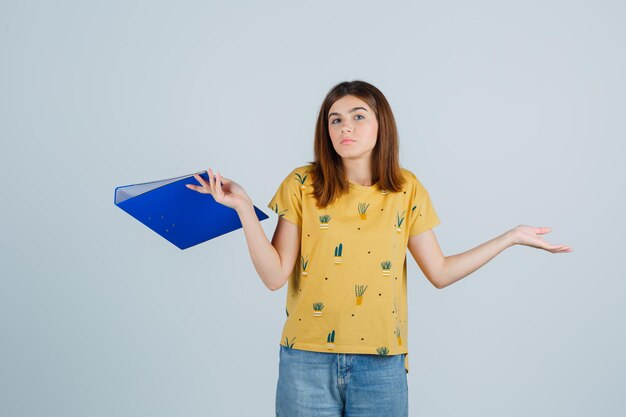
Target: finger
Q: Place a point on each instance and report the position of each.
(219, 185)
(543, 230)
(561, 248)
(210, 172)
(204, 186)
(201, 180)
(197, 188)
(214, 189)
(557, 247)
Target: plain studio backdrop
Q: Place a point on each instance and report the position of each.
(508, 112)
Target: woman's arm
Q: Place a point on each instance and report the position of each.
(272, 261)
(442, 270)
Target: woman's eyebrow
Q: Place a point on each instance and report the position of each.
(354, 109)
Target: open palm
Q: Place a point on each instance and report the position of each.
(531, 236)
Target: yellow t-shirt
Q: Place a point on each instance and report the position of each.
(347, 292)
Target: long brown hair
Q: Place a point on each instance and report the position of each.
(328, 175)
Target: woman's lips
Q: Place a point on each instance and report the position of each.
(347, 141)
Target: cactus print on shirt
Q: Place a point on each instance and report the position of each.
(347, 292)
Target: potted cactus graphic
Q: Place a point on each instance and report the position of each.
(359, 290)
(330, 340)
(324, 219)
(301, 179)
(397, 333)
(280, 213)
(317, 309)
(399, 220)
(382, 350)
(304, 263)
(362, 210)
(289, 344)
(386, 265)
(338, 252)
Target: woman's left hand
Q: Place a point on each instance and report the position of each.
(531, 236)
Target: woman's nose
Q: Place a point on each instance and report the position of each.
(346, 128)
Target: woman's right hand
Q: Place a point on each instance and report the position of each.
(223, 190)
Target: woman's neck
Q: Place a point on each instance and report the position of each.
(358, 172)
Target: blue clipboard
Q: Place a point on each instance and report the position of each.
(182, 216)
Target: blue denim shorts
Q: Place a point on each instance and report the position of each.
(319, 384)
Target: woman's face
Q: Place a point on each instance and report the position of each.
(353, 128)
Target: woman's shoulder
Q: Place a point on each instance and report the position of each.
(303, 169)
(409, 176)
(412, 181)
(298, 176)
(301, 173)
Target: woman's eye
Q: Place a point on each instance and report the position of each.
(358, 116)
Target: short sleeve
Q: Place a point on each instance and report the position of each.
(423, 214)
(287, 202)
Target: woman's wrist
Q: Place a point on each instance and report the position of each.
(244, 205)
(510, 237)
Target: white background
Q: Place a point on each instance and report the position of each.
(508, 112)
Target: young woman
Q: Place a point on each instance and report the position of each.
(345, 222)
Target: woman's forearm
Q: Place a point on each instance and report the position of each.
(264, 256)
(459, 266)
